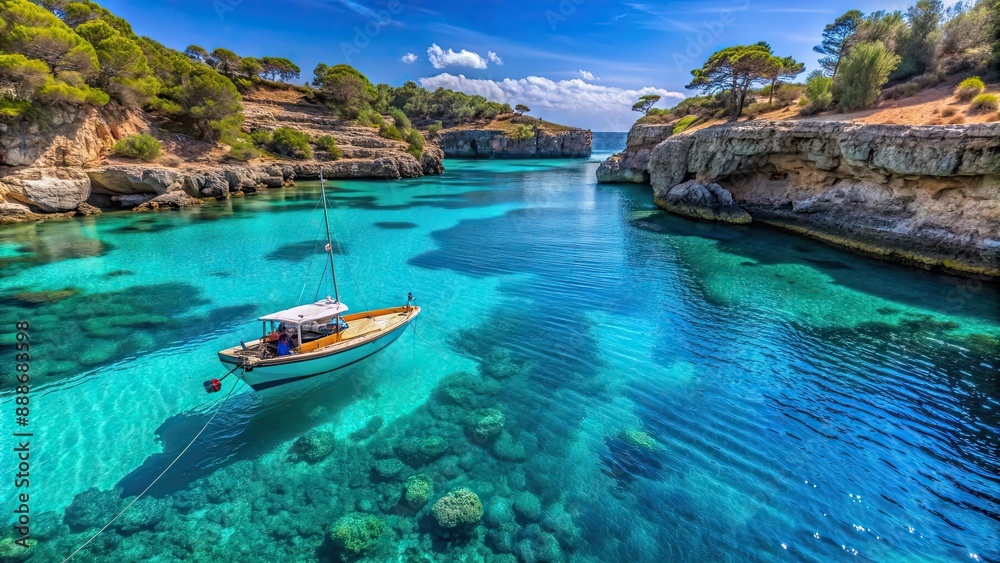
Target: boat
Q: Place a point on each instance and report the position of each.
(314, 339)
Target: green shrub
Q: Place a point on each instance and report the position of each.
(909, 89)
(13, 108)
(370, 117)
(142, 147)
(755, 109)
(290, 142)
(683, 124)
(522, 132)
(862, 74)
(416, 142)
(261, 137)
(818, 93)
(928, 80)
(390, 132)
(243, 151)
(985, 103)
(970, 88)
(329, 144)
(402, 122)
(435, 128)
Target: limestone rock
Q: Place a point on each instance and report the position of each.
(50, 190)
(172, 200)
(710, 202)
(922, 195)
(490, 143)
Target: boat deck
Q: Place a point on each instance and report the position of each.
(363, 327)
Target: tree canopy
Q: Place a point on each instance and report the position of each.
(837, 40)
(735, 69)
(645, 103)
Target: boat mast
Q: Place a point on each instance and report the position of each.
(329, 238)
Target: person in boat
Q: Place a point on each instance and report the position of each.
(284, 345)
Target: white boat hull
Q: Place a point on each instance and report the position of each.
(298, 367)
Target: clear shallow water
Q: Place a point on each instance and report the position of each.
(671, 390)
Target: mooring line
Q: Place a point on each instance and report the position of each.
(164, 472)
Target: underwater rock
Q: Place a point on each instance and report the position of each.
(16, 553)
(418, 491)
(639, 438)
(501, 558)
(543, 548)
(220, 485)
(92, 509)
(499, 364)
(314, 446)
(506, 449)
(33, 298)
(388, 468)
(499, 512)
(357, 533)
(145, 514)
(502, 540)
(461, 506)
(466, 389)
(484, 424)
(370, 428)
(416, 452)
(528, 507)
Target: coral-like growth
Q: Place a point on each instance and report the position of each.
(418, 490)
(461, 506)
(313, 446)
(420, 451)
(15, 552)
(484, 424)
(357, 532)
(92, 509)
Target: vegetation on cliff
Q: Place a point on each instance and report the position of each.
(907, 50)
(56, 53)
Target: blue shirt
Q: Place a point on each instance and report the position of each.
(284, 349)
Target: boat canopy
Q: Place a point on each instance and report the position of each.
(323, 309)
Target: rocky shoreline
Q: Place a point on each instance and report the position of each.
(927, 196)
(491, 143)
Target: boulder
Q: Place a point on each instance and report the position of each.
(710, 202)
(172, 200)
(50, 190)
(135, 179)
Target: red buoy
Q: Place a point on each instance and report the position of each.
(212, 386)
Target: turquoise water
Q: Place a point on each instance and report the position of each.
(671, 390)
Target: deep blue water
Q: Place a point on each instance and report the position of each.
(671, 390)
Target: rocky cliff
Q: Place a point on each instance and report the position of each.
(922, 195)
(498, 143)
(64, 165)
(632, 165)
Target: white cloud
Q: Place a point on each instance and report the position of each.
(603, 108)
(409, 58)
(441, 58)
(494, 58)
(587, 75)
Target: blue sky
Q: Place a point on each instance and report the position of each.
(579, 62)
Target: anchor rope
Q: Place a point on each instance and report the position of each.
(164, 472)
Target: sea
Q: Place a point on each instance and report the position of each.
(590, 379)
